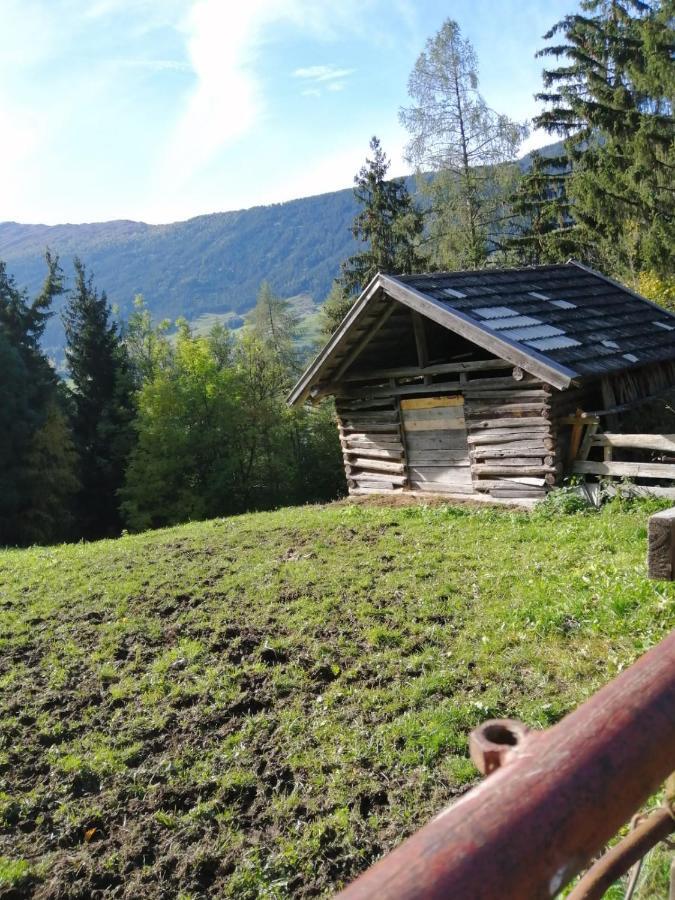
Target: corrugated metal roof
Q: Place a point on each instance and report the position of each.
(599, 325)
(553, 343)
(513, 322)
(494, 312)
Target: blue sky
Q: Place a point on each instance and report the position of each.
(165, 109)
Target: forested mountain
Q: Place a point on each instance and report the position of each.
(209, 264)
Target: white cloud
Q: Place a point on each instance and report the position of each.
(223, 45)
(322, 73)
(155, 65)
(226, 99)
(329, 77)
(31, 33)
(86, 52)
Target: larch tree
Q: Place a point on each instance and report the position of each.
(267, 363)
(275, 324)
(101, 388)
(610, 94)
(463, 151)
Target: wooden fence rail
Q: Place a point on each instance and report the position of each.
(580, 464)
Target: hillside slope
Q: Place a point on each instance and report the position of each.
(210, 264)
(260, 706)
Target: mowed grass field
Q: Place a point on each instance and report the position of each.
(261, 706)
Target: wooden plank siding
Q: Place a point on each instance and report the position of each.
(438, 453)
(493, 434)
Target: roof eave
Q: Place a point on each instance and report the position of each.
(304, 384)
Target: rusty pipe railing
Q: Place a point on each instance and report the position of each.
(558, 796)
(650, 831)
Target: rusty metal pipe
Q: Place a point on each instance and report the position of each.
(556, 800)
(616, 862)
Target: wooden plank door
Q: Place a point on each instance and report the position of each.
(437, 448)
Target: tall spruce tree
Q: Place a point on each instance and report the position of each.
(37, 460)
(334, 308)
(463, 150)
(542, 229)
(101, 394)
(611, 96)
(388, 222)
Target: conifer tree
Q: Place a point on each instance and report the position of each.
(334, 308)
(276, 326)
(542, 230)
(37, 461)
(388, 222)
(463, 150)
(51, 483)
(611, 96)
(101, 395)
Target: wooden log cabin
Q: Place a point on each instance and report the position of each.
(479, 383)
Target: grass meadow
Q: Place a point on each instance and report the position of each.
(261, 706)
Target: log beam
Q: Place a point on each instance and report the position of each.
(478, 365)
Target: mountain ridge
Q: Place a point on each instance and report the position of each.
(208, 265)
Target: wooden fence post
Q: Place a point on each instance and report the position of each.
(661, 552)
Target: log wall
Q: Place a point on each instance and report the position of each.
(372, 444)
(506, 447)
(511, 437)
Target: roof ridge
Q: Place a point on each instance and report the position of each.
(490, 269)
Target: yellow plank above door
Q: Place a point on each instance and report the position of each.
(431, 402)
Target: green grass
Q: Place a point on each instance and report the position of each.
(260, 706)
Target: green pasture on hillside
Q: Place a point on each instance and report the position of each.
(261, 706)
